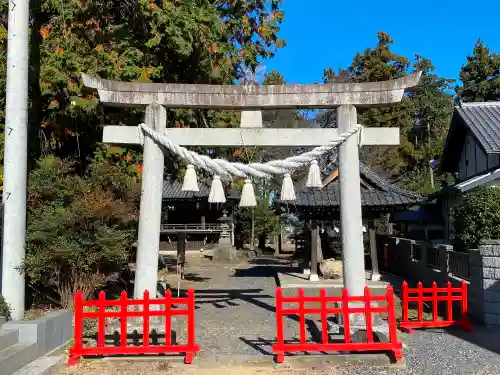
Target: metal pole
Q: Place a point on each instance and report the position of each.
(350, 205)
(15, 157)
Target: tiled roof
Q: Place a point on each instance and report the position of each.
(380, 193)
(483, 120)
(173, 190)
(329, 196)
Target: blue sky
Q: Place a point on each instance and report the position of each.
(328, 33)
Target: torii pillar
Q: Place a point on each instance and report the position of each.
(351, 231)
(341, 96)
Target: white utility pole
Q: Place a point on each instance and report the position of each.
(15, 157)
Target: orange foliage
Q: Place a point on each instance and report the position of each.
(152, 4)
(213, 48)
(139, 168)
(59, 51)
(44, 31)
(70, 132)
(237, 152)
(93, 23)
(47, 124)
(99, 48)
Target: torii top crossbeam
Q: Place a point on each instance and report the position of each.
(180, 95)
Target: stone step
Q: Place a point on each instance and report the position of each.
(8, 338)
(42, 366)
(17, 356)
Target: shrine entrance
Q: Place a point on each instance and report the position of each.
(156, 137)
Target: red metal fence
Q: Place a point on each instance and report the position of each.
(345, 310)
(141, 308)
(434, 295)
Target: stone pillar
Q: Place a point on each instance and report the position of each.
(146, 269)
(307, 250)
(484, 288)
(350, 204)
(232, 234)
(423, 253)
(313, 276)
(373, 252)
(443, 258)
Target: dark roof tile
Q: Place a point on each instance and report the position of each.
(173, 190)
(483, 120)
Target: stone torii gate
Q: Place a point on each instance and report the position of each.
(345, 97)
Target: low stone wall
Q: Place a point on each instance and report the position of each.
(419, 261)
(48, 332)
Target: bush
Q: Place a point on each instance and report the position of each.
(4, 308)
(79, 228)
(476, 217)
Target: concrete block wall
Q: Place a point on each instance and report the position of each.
(48, 332)
(484, 265)
(484, 289)
(401, 260)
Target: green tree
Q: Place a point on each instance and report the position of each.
(423, 115)
(433, 105)
(480, 76)
(188, 41)
(476, 217)
(80, 229)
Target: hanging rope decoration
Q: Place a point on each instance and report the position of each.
(221, 168)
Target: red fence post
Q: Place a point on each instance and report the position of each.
(346, 316)
(280, 355)
(391, 320)
(324, 316)
(145, 319)
(420, 296)
(101, 320)
(123, 318)
(368, 315)
(302, 317)
(168, 318)
(449, 305)
(76, 351)
(435, 314)
(190, 322)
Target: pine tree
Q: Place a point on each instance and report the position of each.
(428, 106)
(480, 76)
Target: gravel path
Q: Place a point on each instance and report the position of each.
(235, 325)
(235, 318)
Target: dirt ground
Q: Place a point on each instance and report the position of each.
(165, 368)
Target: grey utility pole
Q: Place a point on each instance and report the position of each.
(15, 157)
